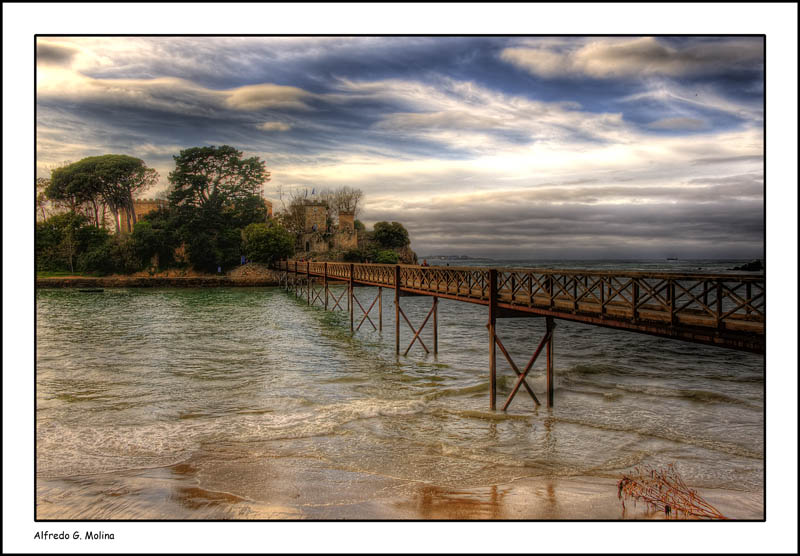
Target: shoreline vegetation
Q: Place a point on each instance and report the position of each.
(213, 216)
(248, 275)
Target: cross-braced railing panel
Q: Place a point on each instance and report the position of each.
(316, 268)
(714, 301)
(374, 274)
(339, 271)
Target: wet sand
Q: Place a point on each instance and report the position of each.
(287, 488)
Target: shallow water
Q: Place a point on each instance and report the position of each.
(197, 403)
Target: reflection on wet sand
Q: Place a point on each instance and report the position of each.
(432, 502)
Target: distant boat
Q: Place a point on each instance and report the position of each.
(672, 258)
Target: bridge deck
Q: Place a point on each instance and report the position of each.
(726, 310)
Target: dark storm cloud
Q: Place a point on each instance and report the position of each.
(727, 159)
(636, 57)
(723, 215)
(52, 54)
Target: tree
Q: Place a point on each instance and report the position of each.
(76, 186)
(215, 193)
(122, 176)
(387, 257)
(390, 235)
(41, 197)
(342, 199)
(293, 216)
(63, 238)
(267, 243)
(107, 182)
(215, 175)
(152, 238)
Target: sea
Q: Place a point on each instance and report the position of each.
(247, 403)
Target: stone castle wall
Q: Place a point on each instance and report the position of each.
(140, 207)
(346, 236)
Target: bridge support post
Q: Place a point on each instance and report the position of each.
(308, 283)
(397, 309)
(350, 297)
(325, 281)
(435, 325)
(492, 338)
(551, 327)
(380, 309)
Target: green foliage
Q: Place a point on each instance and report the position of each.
(215, 175)
(353, 256)
(97, 260)
(359, 226)
(68, 242)
(267, 243)
(386, 257)
(109, 180)
(212, 249)
(390, 235)
(155, 236)
(215, 194)
(60, 239)
(124, 258)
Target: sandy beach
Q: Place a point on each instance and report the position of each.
(285, 488)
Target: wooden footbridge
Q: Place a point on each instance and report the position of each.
(725, 310)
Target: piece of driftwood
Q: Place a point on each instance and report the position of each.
(663, 490)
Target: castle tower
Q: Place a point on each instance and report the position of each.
(316, 214)
(346, 235)
(314, 227)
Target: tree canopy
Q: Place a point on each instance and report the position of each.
(267, 243)
(101, 182)
(390, 235)
(215, 175)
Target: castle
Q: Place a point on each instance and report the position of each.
(319, 235)
(140, 207)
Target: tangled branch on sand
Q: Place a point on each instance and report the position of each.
(664, 490)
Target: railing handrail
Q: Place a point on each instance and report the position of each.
(663, 275)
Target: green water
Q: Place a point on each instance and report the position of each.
(196, 403)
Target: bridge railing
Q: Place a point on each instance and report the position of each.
(714, 300)
(733, 301)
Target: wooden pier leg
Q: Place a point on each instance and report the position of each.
(308, 283)
(380, 309)
(435, 326)
(350, 297)
(325, 280)
(492, 343)
(551, 325)
(397, 309)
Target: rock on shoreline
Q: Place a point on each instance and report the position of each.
(753, 266)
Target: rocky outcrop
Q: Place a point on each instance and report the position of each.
(753, 266)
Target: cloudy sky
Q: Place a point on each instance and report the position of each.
(521, 147)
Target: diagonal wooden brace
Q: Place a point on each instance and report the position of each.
(516, 370)
(316, 294)
(528, 367)
(417, 332)
(366, 313)
(337, 300)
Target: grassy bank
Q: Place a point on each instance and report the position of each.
(251, 274)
